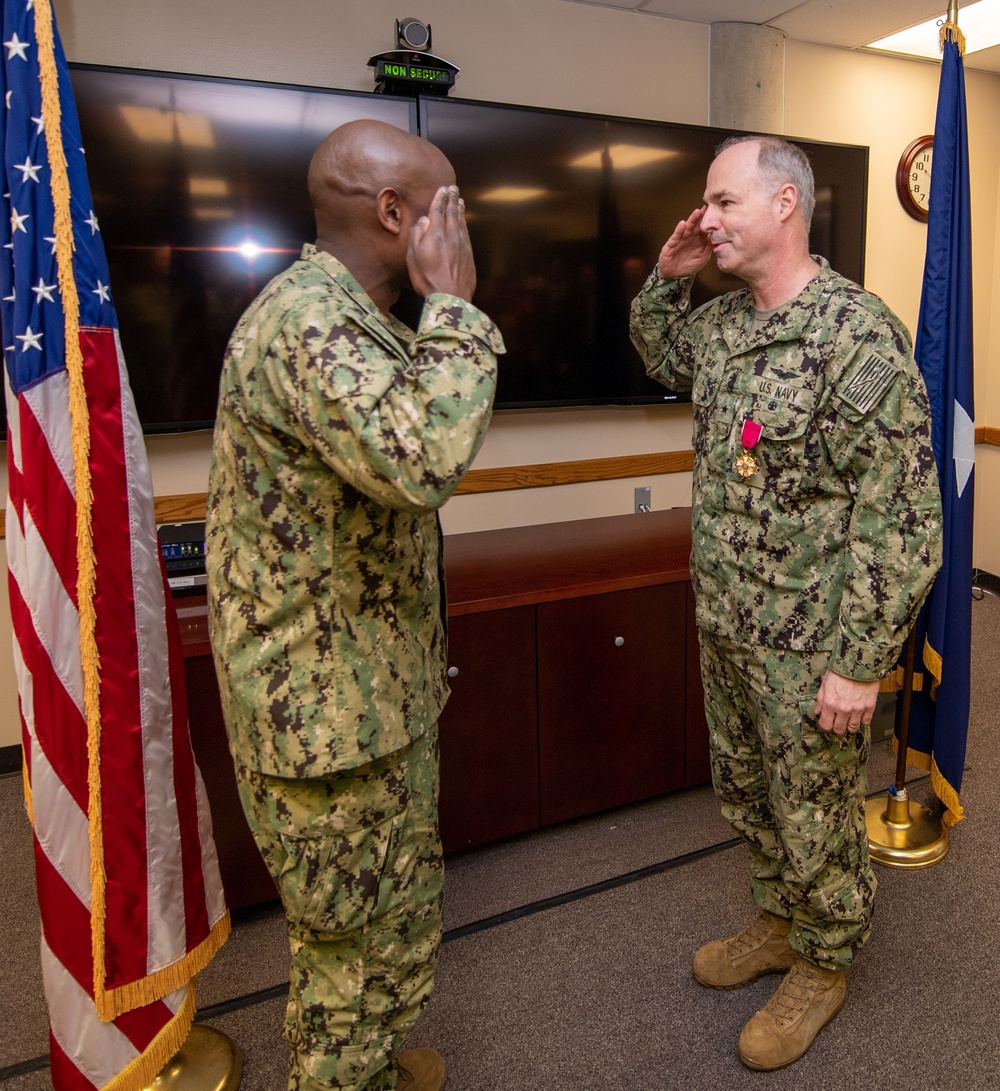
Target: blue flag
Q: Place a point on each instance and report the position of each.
(939, 715)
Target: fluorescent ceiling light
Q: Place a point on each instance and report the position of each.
(623, 156)
(166, 126)
(513, 193)
(208, 187)
(979, 22)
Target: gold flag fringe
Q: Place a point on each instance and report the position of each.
(934, 663)
(954, 812)
(893, 683)
(956, 35)
(28, 799)
(147, 1066)
(948, 796)
(146, 990)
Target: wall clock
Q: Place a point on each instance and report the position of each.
(913, 177)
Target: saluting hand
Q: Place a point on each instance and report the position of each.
(439, 255)
(687, 250)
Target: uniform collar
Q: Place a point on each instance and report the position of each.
(789, 323)
(338, 271)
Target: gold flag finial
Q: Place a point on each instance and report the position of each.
(951, 28)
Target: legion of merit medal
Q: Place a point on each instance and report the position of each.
(746, 464)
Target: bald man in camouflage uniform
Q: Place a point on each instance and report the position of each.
(340, 432)
(816, 536)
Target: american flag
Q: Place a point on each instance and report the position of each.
(128, 882)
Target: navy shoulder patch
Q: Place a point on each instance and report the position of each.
(867, 381)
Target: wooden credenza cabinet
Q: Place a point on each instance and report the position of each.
(575, 684)
(575, 679)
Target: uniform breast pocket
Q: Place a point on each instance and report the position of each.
(781, 451)
(713, 421)
(705, 386)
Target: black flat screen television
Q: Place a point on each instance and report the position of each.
(199, 186)
(567, 214)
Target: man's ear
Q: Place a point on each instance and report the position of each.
(389, 209)
(788, 201)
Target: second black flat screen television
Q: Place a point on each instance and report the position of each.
(567, 214)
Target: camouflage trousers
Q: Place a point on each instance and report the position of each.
(794, 792)
(357, 861)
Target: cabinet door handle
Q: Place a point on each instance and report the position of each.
(453, 672)
(619, 641)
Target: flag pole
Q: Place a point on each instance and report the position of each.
(901, 832)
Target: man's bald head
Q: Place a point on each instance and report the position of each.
(362, 159)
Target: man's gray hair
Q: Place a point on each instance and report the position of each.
(779, 163)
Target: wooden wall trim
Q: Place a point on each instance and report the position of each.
(182, 508)
(504, 478)
(189, 506)
(178, 509)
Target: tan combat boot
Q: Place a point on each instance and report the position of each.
(781, 1032)
(730, 963)
(420, 1070)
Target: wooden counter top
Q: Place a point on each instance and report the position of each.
(517, 566)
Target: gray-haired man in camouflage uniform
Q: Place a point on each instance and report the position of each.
(340, 432)
(816, 535)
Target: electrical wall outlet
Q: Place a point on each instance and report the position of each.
(643, 501)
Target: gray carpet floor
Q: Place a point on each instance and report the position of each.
(593, 992)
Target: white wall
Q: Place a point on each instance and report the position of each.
(573, 56)
(987, 529)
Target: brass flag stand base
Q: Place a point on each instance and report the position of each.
(208, 1061)
(903, 833)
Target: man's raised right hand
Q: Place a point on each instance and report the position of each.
(687, 250)
(439, 255)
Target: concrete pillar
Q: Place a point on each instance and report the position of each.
(747, 78)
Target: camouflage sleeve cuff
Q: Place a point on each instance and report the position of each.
(443, 311)
(863, 661)
(666, 292)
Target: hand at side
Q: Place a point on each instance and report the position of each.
(843, 705)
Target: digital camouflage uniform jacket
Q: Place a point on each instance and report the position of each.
(339, 433)
(833, 543)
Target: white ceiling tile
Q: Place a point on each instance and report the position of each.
(855, 22)
(719, 11)
(986, 60)
(627, 5)
(849, 23)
